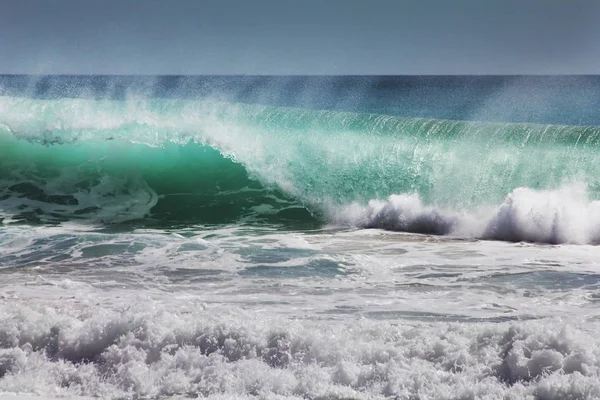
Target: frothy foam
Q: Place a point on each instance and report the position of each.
(565, 215)
(154, 352)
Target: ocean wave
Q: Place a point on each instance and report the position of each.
(187, 162)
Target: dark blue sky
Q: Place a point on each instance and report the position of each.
(300, 37)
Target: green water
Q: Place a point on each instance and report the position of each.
(176, 161)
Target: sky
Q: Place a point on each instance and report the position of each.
(300, 37)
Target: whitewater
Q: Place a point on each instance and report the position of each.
(320, 238)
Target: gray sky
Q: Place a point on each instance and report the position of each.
(300, 36)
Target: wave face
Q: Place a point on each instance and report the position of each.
(178, 162)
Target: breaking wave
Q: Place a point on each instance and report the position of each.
(207, 162)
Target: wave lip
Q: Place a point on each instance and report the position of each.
(564, 215)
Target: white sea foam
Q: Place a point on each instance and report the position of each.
(350, 314)
(564, 215)
(153, 350)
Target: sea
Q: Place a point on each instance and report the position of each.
(300, 237)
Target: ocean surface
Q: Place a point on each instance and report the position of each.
(300, 237)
